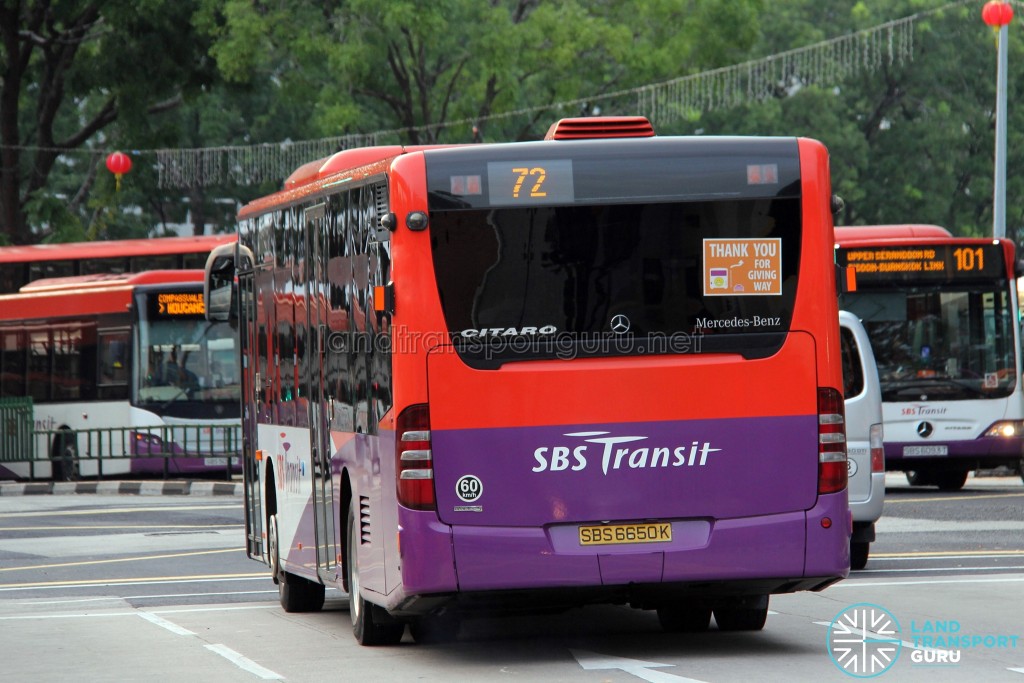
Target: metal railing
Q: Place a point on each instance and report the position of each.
(15, 428)
(167, 451)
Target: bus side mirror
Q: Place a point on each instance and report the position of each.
(220, 297)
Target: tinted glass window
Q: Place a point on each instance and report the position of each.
(617, 279)
(945, 345)
(853, 373)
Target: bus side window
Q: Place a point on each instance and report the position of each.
(112, 364)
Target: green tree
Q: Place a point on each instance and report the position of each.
(429, 71)
(70, 71)
(911, 142)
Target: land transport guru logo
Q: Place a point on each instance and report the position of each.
(865, 640)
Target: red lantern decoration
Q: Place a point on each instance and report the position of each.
(119, 163)
(997, 14)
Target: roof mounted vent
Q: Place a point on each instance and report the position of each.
(600, 127)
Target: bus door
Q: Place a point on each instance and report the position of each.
(250, 400)
(317, 298)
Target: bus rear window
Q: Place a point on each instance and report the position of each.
(708, 276)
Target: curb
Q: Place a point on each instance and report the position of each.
(113, 488)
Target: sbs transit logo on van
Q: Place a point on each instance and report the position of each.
(610, 452)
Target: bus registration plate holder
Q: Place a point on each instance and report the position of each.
(614, 534)
(925, 450)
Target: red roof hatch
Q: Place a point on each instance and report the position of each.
(600, 127)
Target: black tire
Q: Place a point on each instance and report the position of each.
(296, 593)
(65, 457)
(435, 628)
(370, 624)
(951, 481)
(742, 614)
(680, 617)
(1020, 469)
(916, 478)
(859, 554)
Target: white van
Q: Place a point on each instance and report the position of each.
(866, 456)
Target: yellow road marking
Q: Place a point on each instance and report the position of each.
(117, 511)
(147, 579)
(121, 559)
(99, 527)
(890, 501)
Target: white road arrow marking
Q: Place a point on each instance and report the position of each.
(590, 661)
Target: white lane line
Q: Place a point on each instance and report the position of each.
(239, 660)
(244, 663)
(85, 615)
(989, 570)
(864, 632)
(934, 582)
(163, 623)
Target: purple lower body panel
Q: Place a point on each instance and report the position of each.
(970, 453)
(773, 553)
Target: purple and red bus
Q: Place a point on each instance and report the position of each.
(598, 368)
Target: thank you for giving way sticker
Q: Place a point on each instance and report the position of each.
(740, 267)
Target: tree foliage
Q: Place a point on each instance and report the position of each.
(911, 142)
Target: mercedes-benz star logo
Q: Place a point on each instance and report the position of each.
(925, 429)
(620, 324)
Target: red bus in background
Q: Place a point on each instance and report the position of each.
(599, 368)
(23, 264)
(130, 353)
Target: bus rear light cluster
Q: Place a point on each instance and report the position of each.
(414, 463)
(877, 446)
(832, 473)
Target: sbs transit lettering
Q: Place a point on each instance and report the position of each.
(575, 459)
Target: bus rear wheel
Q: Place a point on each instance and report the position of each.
(747, 613)
(680, 617)
(296, 593)
(371, 625)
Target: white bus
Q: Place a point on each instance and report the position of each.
(125, 374)
(941, 312)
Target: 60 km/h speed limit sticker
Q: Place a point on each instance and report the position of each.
(469, 488)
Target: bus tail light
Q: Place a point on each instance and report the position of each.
(832, 474)
(414, 463)
(877, 449)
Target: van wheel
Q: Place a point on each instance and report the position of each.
(371, 625)
(296, 593)
(747, 613)
(951, 481)
(859, 554)
(64, 461)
